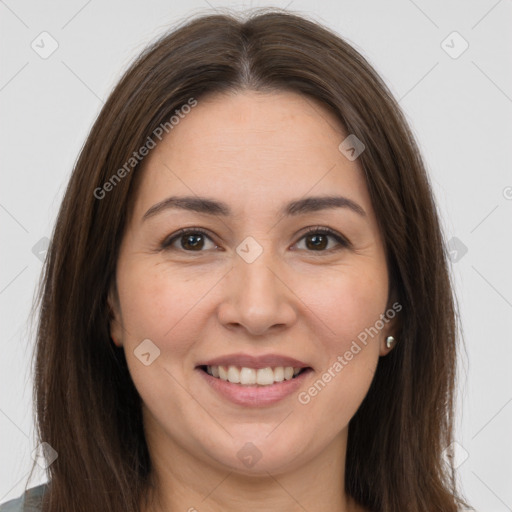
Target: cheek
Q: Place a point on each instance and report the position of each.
(158, 303)
(154, 310)
(164, 307)
(350, 302)
(350, 307)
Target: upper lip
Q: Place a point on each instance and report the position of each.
(248, 361)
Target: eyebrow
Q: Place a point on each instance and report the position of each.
(212, 207)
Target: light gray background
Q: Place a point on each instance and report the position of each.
(459, 109)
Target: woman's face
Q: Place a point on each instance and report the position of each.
(251, 284)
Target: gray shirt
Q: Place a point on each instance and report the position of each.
(30, 501)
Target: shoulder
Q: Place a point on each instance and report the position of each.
(30, 501)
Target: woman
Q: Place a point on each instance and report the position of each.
(246, 301)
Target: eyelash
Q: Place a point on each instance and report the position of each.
(343, 242)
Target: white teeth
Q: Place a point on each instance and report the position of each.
(251, 376)
(223, 374)
(279, 374)
(288, 373)
(247, 376)
(265, 376)
(233, 374)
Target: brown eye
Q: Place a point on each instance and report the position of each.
(190, 240)
(317, 240)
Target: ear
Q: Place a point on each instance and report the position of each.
(114, 315)
(392, 319)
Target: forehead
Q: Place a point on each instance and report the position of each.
(253, 150)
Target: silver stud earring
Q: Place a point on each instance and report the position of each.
(390, 341)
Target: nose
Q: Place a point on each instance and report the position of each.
(256, 297)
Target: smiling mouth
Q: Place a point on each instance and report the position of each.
(260, 377)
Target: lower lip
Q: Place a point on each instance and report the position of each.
(255, 396)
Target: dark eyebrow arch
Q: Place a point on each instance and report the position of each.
(213, 207)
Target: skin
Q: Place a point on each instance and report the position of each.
(256, 152)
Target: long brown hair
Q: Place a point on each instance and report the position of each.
(86, 404)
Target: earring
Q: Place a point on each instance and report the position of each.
(390, 341)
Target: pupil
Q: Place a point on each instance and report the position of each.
(315, 244)
(189, 240)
